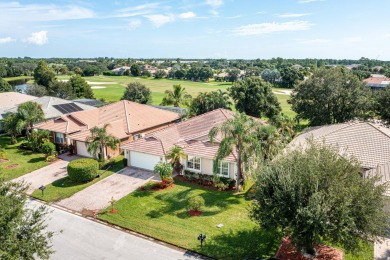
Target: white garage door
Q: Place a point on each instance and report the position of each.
(82, 149)
(143, 160)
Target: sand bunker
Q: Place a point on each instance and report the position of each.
(97, 87)
(100, 83)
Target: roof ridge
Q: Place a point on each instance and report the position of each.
(126, 115)
(347, 124)
(372, 125)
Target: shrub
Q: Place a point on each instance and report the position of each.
(164, 169)
(195, 203)
(228, 181)
(3, 153)
(83, 170)
(48, 149)
(51, 158)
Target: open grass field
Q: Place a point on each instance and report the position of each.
(64, 188)
(163, 215)
(114, 86)
(27, 161)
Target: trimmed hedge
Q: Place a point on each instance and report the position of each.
(83, 170)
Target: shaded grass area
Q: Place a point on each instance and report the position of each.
(17, 78)
(163, 215)
(64, 188)
(27, 161)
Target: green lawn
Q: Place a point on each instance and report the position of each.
(27, 161)
(17, 78)
(163, 215)
(64, 188)
(114, 90)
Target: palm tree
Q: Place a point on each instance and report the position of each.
(175, 155)
(29, 113)
(176, 97)
(239, 134)
(99, 140)
(12, 126)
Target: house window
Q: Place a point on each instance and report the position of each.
(136, 137)
(223, 168)
(59, 138)
(193, 163)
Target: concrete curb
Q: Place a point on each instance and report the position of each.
(125, 230)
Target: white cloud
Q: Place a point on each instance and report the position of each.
(16, 12)
(6, 40)
(265, 28)
(309, 1)
(187, 15)
(159, 19)
(316, 41)
(214, 3)
(134, 24)
(214, 12)
(38, 38)
(288, 15)
(136, 10)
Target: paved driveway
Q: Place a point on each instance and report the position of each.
(47, 174)
(97, 196)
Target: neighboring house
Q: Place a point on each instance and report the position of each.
(192, 136)
(120, 70)
(368, 142)
(9, 100)
(127, 121)
(377, 82)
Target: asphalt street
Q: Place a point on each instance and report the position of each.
(80, 238)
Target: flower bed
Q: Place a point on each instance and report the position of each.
(161, 185)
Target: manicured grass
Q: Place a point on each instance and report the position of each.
(28, 161)
(64, 188)
(117, 84)
(17, 78)
(163, 215)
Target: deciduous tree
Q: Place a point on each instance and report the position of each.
(43, 75)
(36, 90)
(254, 97)
(5, 86)
(208, 101)
(315, 195)
(137, 92)
(80, 87)
(330, 96)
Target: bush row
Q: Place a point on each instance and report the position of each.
(209, 180)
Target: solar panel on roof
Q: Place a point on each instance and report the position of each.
(68, 108)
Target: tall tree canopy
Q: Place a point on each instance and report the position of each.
(137, 92)
(270, 76)
(208, 101)
(254, 97)
(382, 105)
(23, 233)
(330, 96)
(5, 86)
(80, 87)
(249, 139)
(135, 70)
(290, 76)
(36, 90)
(43, 75)
(315, 195)
(28, 114)
(61, 89)
(176, 97)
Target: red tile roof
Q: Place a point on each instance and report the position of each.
(191, 134)
(124, 118)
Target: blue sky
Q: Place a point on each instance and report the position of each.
(196, 29)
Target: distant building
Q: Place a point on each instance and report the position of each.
(120, 70)
(377, 82)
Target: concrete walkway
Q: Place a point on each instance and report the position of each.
(98, 196)
(47, 174)
(382, 250)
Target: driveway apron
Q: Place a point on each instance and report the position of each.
(98, 196)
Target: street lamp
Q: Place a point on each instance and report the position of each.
(201, 238)
(42, 188)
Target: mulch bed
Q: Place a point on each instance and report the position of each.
(288, 251)
(12, 166)
(4, 160)
(113, 211)
(156, 188)
(194, 213)
(181, 177)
